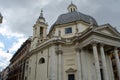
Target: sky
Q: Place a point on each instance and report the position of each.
(19, 16)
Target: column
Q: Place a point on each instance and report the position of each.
(111, 68)
(105, 72)
(59, 52)
(79, 65)
(60, 65)
(97, 66)
(117, 61)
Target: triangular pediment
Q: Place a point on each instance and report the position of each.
(108, 30)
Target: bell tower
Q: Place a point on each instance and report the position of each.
(39, 31)
(40, 28)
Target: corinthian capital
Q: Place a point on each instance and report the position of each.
(77, 48)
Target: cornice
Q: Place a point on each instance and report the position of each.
(52, 41)
(105, 35)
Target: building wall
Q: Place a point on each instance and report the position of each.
(88, 65)
(31, 67)
(81, 27)
(45, 70)
(42, 68)
(69, 59)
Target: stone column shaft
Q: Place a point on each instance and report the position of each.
(105, 72)
(60, 66)
(111, 68)
(117, 61)
(79, 65)
(97, 66)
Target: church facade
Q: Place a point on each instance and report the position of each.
(76, 48)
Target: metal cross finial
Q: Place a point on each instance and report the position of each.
(41, 14)
(71, 2)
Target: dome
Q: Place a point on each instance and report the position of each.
(75, 16)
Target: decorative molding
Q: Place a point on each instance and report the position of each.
(71, 70)
(77, 48)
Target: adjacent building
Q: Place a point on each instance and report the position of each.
(4, 74)
(76, 48)
(17, 62)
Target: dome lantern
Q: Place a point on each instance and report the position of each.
(41, 18)
(72, 7)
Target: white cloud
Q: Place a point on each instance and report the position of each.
(2, 45)
(7, 33)
(17, 44)
(5, 55)
(4, 58)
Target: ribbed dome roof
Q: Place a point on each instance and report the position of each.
(74, 16)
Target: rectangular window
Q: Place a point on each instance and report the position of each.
(101, 72)
(71, 77)
(68, 30)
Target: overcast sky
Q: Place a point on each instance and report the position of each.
(21, 15)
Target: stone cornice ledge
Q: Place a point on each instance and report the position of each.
(53, 40)
(115, 37)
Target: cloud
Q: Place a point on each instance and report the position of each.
(22, 15)
(2, 45)
(17, 44)
(8, 33)
(4, 58)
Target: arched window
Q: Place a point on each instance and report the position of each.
(42, 60)
(71, 9)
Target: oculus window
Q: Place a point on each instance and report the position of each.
(68, 30)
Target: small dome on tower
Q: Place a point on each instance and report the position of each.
(72, 7)
(41, 18)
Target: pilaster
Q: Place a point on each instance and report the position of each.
(59, 52)
(78, 61)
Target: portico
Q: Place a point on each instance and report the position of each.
(101, 48)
